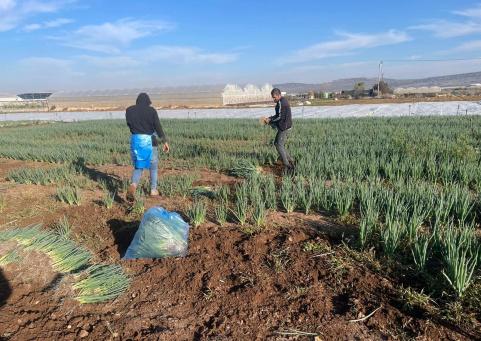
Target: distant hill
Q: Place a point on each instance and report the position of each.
(348, 83)
(215, 91)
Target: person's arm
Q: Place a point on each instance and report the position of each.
(274, 118)
(160, 132)
(158, 128)
(284, 111)
(127, 118)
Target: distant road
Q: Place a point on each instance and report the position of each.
(352, 110)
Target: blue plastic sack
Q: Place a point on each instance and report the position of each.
(141, 150)
(161, 234)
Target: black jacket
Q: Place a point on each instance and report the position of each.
(143, 119)
(282, 120)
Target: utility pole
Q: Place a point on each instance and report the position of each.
(379, 80)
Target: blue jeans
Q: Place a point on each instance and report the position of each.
(154, 162)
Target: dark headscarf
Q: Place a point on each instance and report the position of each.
(143, 100)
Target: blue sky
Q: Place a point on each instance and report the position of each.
(94, 44)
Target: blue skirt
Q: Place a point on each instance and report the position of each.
(141, 150)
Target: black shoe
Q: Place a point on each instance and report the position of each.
(289, 170)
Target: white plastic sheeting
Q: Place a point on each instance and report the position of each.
(354, 110)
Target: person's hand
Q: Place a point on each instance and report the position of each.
(266, 120)
(166, 148)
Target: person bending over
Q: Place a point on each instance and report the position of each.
(145, 128)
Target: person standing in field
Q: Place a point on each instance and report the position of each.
(282, 121)
(145, 128)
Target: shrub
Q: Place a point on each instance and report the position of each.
(288, 195)
(220, 212)
(69, 195)
(197, 212)
(108, 199)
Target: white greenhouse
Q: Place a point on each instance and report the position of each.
(234, 94)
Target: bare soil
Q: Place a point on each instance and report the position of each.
(231, 286)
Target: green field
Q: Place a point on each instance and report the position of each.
(411, 186)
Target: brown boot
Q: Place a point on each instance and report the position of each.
(131, 192)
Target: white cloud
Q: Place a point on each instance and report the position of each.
(337, 66)
(473, 12)
(180, 55)
(44, 66)
(469, 25)
(397, 70)
(83, 72)
(185, 55)
(110, 37)
(13, 13)
(113, 38)
(35, 74)
(48, 24)
(346, 44)
(32, 27)
(474, 45)
(41, 62)
(37, 6)
(430, 69)
(6, 5)
(325, 72)
(111, 62)
(449, 29)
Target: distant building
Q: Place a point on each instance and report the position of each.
(326, 95)
(436, 91)
(350, 94)
(234, 94)
(35, 96)
(26, 100)
(9, 99)
(118, 99)
(471, 90)
(424, 91)
(298, 96)
(31, 96)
